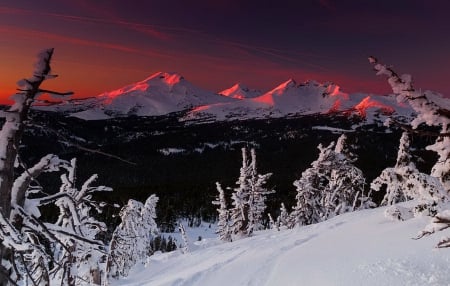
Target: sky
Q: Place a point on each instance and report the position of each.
(103, 45)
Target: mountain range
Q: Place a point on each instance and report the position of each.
(164, 93)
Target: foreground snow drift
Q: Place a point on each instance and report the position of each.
(360, 248)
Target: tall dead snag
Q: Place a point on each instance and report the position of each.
(16, 117)
(10, 136)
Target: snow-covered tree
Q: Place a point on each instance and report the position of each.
(257, 197)
(239, 212)
(405, 182)
(310, 186)
(223, 229)
(10, 138)
(16, 117)
(331, 186)
(34, 250)
(345, 190)
(149, 227)
(248, 198)
(185, 246)
(432, 110)
(284, 219)
(272, 223)
(80, 257)
(132, 239)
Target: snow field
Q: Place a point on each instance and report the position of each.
(359, 248)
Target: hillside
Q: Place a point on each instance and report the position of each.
(360, 248)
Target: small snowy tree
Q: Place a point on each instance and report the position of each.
(80, 257)
(248, 198)
(313, 181)
(239, 212)
(345, 190)
(223, 229)
(257, 197)
(185, 246)
(150, 229)
(284, 220)
(132, 238)
(272, 223)
(405, 182)
(331, 186)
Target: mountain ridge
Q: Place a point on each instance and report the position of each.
(163, 93)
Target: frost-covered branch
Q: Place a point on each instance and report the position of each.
(431, 108)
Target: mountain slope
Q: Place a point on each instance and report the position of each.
(165, 93)
(361, 248)
(240, 91)
(290, 98)
(159, 94)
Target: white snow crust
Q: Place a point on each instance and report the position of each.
(360, 248)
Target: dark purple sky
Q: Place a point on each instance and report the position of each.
(105, 44)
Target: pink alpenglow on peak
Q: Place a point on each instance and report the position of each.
(163, 93)
(240, 91)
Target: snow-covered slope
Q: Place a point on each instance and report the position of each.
(160, 94)
(290, 98)
(361, 248)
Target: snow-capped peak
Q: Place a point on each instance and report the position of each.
(159, 94)
(240, 91)
(169, 78)
(158, 80)
(290, 83)
(164, 92)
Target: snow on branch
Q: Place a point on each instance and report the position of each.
(432, 108)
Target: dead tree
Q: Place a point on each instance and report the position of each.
(11, 134)
(16, 118)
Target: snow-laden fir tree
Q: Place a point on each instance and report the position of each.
(345, 190)
(239, 212)
(312, 183)
(272, 223)
(223, 229)
(150, 229)
(257, 197)
(405, 182)
(132, 238)
(284, 219)
(185, 246)
(248, 198)
(331, 186)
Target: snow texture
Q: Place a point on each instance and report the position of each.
(359, 248)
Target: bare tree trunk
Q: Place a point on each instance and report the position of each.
(10, 137)
(12, 130)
